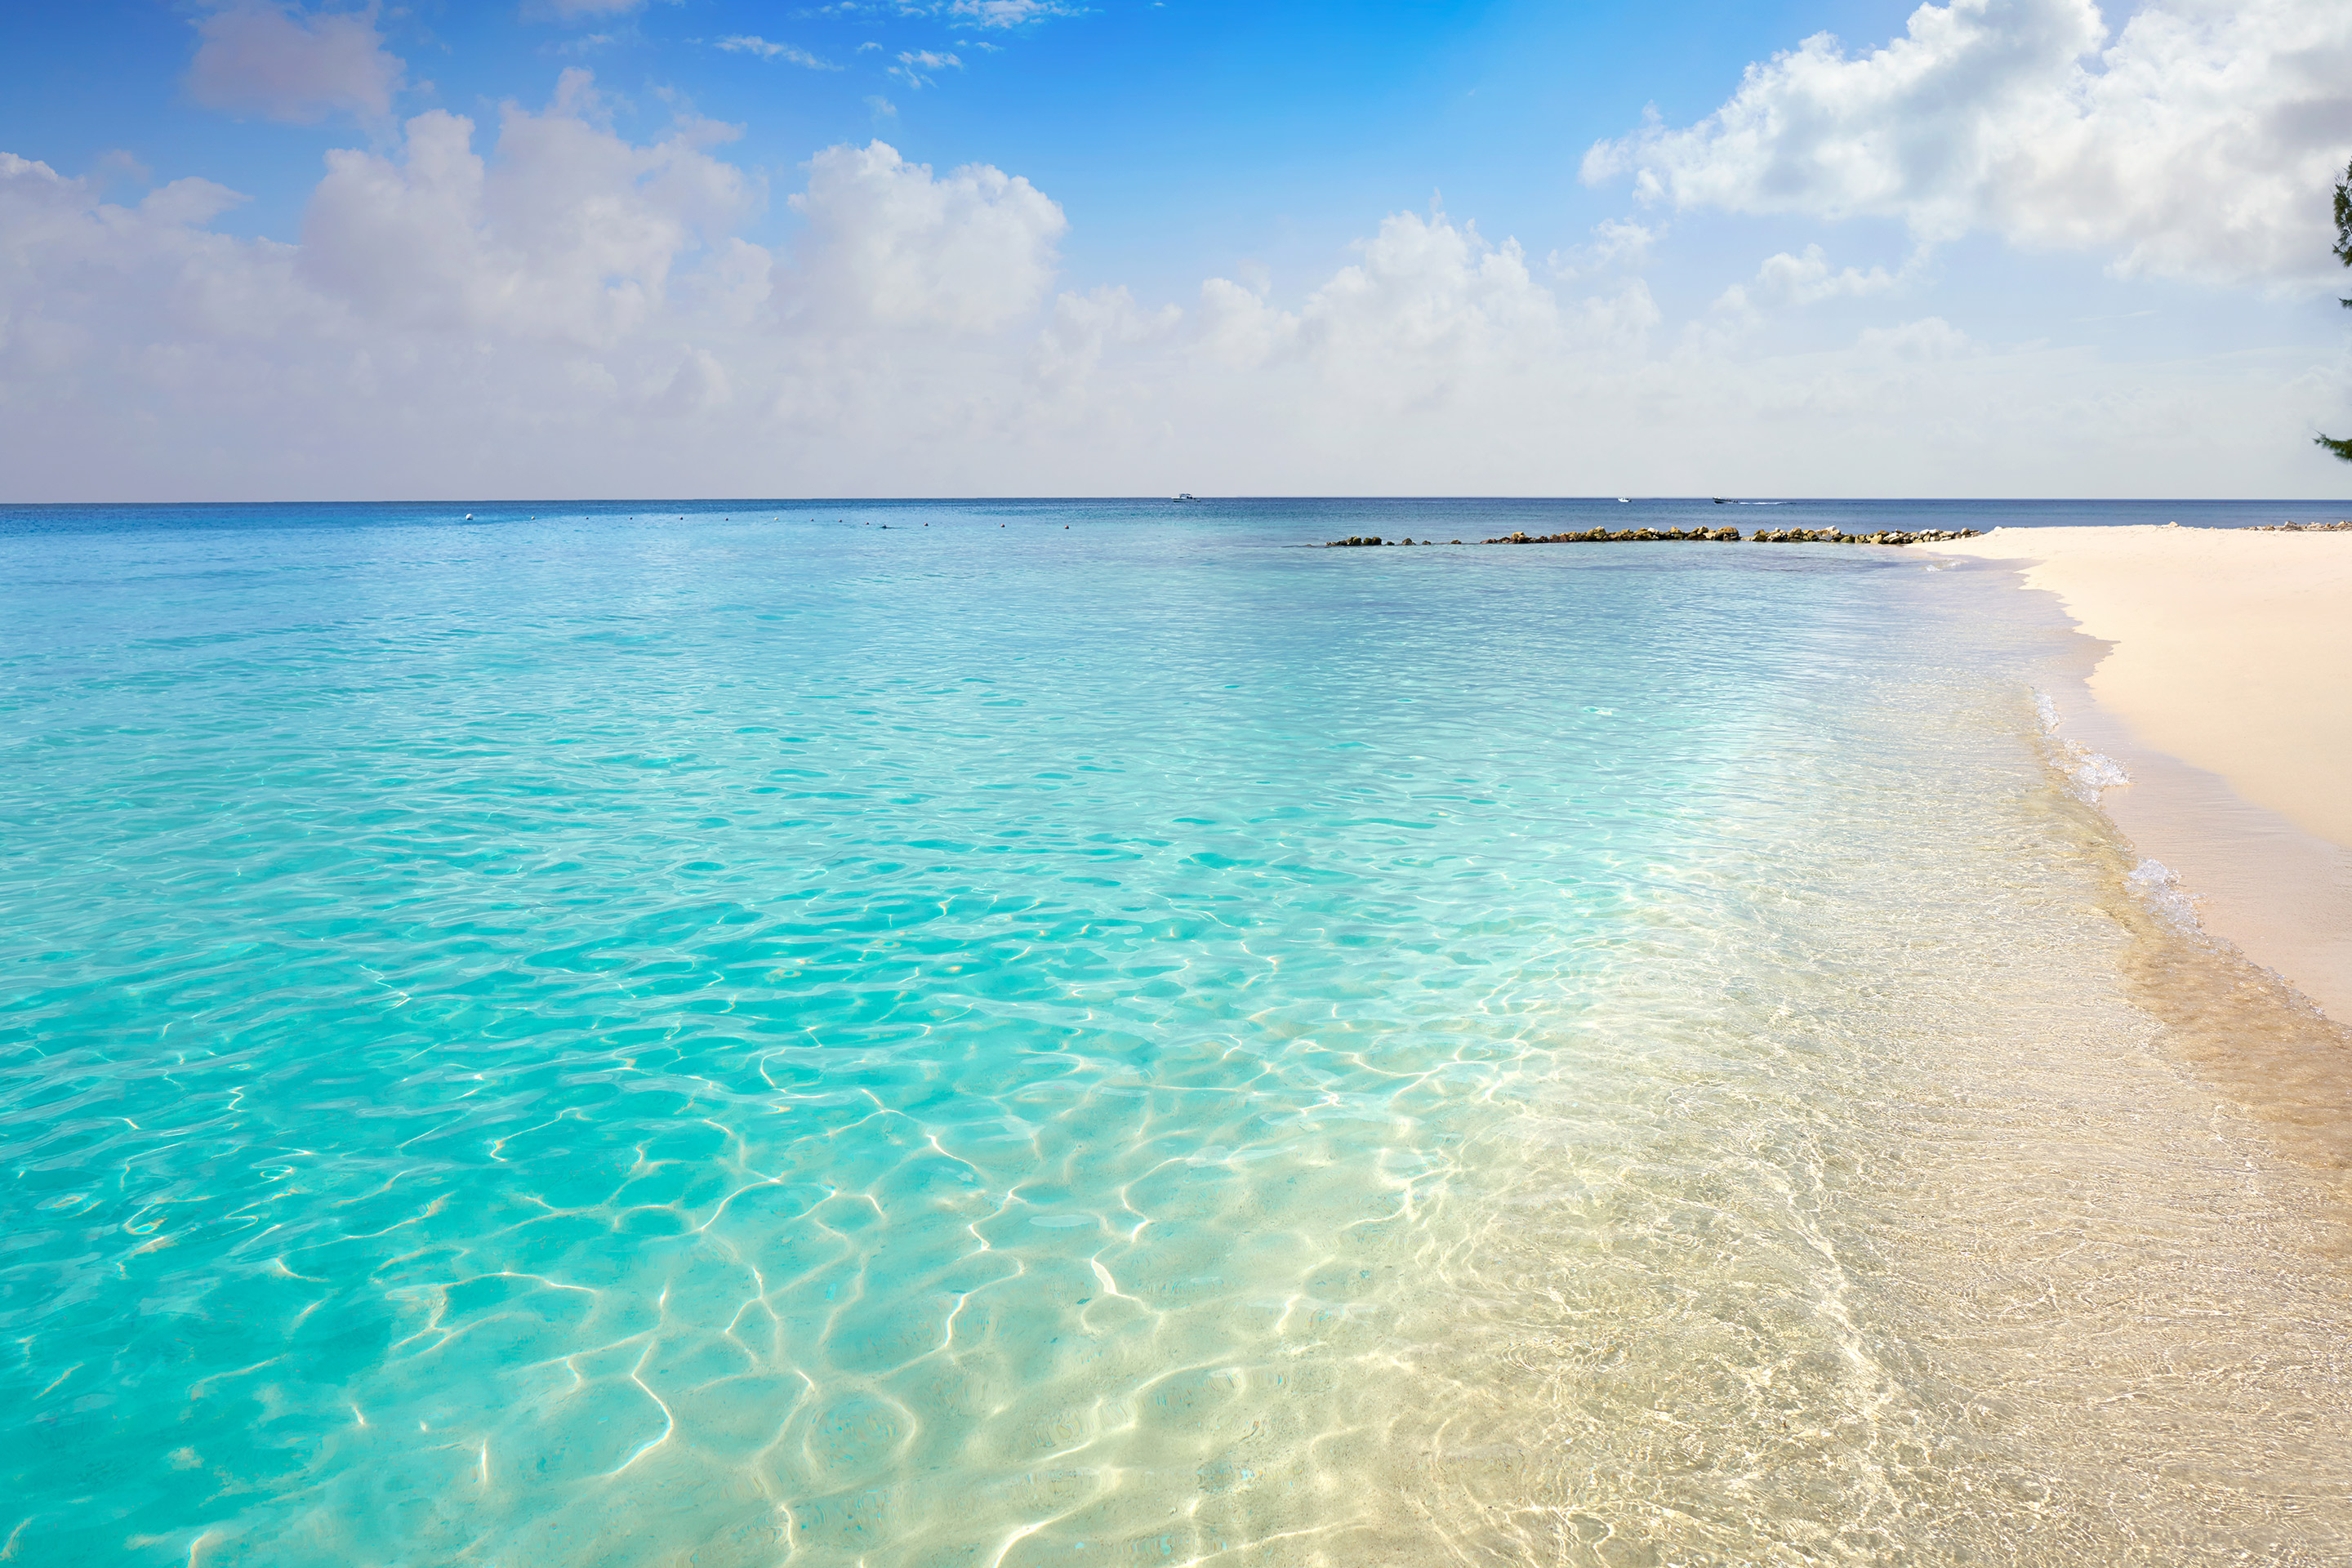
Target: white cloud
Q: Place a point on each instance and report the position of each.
(734, 285)
(2199, 142)
(286, 63)
(891, 244)
(98, 303)
(1807, 280)
(700, 385)
(748, 44)
(1083, 326)
(568, 9)
(1428, 294)
(915, 67)
(1929, 338)
(1008, 13)
(1433, 309)
(1786, 281)
(572, 235)
(546, 307)
(1616, 242)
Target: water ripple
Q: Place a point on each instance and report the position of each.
(584, 1045)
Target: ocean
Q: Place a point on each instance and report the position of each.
(1082, 1032)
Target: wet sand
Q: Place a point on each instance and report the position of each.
(2223, 695)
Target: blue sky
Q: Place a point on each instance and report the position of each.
(1240, 129)
(1528, 245)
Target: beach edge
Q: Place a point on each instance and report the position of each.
(2212, 699)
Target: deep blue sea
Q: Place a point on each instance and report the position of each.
(1081, 1032)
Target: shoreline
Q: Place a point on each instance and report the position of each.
(2215, 694)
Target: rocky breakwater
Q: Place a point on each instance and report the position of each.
(1708, 535)
(1839, 536)
(1619, 536)
(2300, 528)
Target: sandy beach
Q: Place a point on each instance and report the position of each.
(2222, 695)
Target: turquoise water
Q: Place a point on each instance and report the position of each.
(1078, 1033)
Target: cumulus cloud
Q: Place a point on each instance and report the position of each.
(1429, 294)
(283, 62)
(1786, 281)
(571, 235)
(1616, 242)
(1425, 284)
(1806, 279)
(891, 244)
(1083, 326)
(2198, 143)
(1431, 308)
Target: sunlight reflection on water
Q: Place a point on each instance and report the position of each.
(590, 1042)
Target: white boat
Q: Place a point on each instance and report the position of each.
(1188, 494)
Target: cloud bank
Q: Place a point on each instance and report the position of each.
(2188, 145)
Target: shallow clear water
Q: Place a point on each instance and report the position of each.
(1078, 1033)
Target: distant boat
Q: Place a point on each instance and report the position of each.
(1623, 500)
(1188, 494)
(1717, 501)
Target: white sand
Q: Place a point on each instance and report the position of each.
(2233, 654)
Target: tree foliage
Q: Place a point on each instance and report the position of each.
(2344, 225)
(2343, 254)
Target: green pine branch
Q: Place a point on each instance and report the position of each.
(2343, 218)
(2343, 254)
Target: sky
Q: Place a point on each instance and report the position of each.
(261, 250)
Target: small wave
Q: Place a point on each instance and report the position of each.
(2092, 773)
(2160, 886)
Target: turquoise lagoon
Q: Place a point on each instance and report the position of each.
(1083, 1033)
